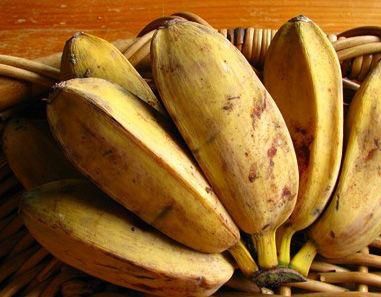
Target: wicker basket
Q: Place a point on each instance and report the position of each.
(27, 269)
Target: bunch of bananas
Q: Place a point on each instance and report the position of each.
(151, 189)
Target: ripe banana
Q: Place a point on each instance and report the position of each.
(302, 74)
(232, 126)
(35, 158)
(132, 154)
(86, 55)
(32, 153)
(84, 228)
(353, 217)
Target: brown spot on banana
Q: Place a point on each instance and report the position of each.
(87, 73)
(253, 173)
(166, 210)
(316, 212)
(373, 151)
(258, 110)
(286, 193)
(302, 149)
(233, 97)
(301, 130)
(271, 152)
(228, 106)
(208, 190)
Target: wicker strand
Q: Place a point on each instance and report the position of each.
(44, 70)
(364, 269)
(25, 242)
(20, 281)
(55, 285)
(7, 244)
(26, 75)
(370, 279)
(252, 42)
(76, 287)
(317, 286)
(320, 266)
(37, 290)
(15, 225)
(4, 222)
(362, 53)
(10, 266)
(369, 260)
(9, 206)
(51, 268)
(35, 259)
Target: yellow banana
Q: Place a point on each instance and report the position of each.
(302, 74)
(132, 154)
(232, 126)
(86, 55)
(352, 219)
(84, 228)
(36, 159)
(32, 153)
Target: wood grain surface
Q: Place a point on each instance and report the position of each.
(35, 28)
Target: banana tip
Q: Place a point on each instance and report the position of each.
(59, 85)
(56, 88)
(78, 34)
(300, 18)
(171, 22)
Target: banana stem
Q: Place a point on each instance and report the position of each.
(243, 258)
(285, 244)
(266, 249)
(303, 259)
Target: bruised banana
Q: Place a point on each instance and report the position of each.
(302, 74)
(353, 217)
(30, 141)
(232, 126)
(84, 228)
(32, 153)
(130, 152)
(86, 55)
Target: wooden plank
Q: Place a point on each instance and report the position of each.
(35, 28)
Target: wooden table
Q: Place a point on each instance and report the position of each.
(36, 28)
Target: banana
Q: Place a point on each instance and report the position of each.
(352, 219)
(86, 55)
(232, 126)
(87, 230)
(36, 159)
(32, 153)
(302, 74)
(132, 154)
